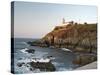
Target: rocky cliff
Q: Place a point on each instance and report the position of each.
(79, 37)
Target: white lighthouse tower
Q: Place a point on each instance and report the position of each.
(63, 21)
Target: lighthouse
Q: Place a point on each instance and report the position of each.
(63, 21)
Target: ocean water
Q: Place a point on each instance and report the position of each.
(62, 60)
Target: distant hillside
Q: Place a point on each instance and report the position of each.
(78, 37)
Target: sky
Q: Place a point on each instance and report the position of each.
(35, 20)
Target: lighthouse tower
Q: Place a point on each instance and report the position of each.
(63, 21)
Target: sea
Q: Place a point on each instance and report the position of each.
(62, 60)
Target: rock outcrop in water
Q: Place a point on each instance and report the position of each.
(30, 51)
(48, 66)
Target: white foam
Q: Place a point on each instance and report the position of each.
(41, 60)
(25, 60)
(24, 50)
(55, 63)
(65, 49)
(24, 43)
(46, 60)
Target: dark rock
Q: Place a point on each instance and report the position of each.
(20, 64)
(31, 69)
(30, 51)
(49, 56)
(20, 58)
(27, 65)
(84, 59)
(43, 66)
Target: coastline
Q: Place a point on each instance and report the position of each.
(82, 57)
(51, 65)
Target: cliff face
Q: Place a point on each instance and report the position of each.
(73, 36)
